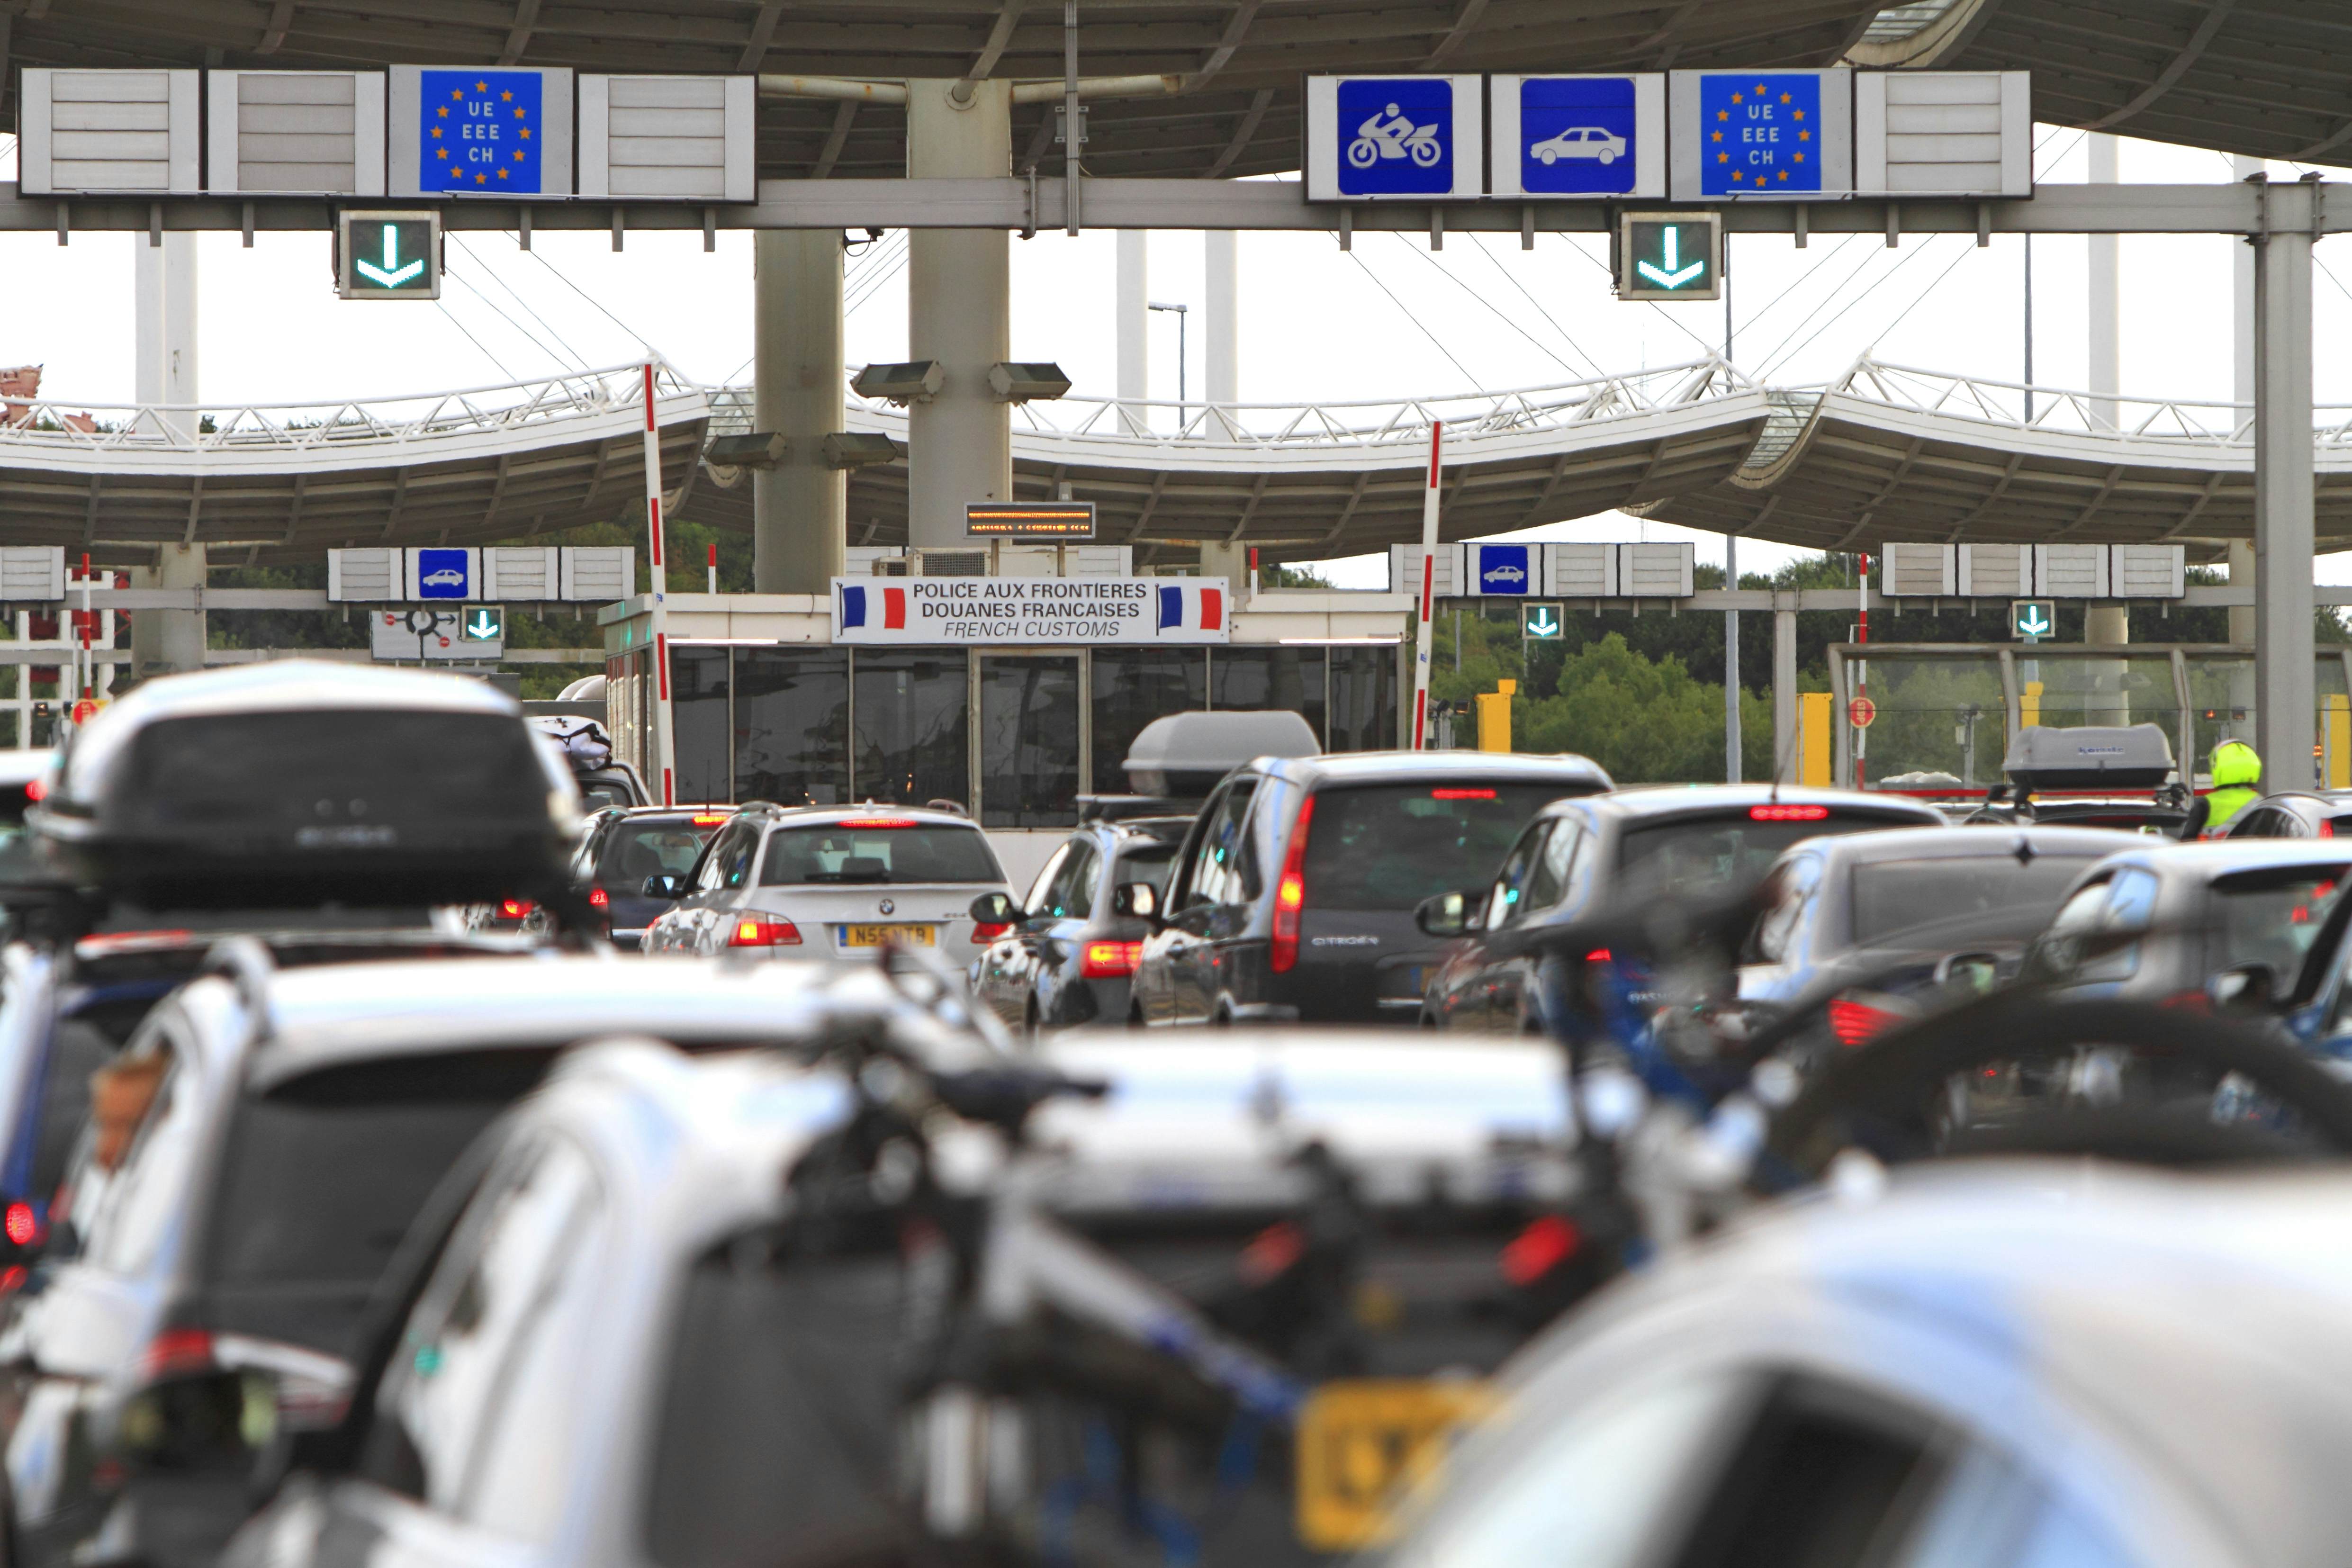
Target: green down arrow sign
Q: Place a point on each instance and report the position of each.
(484, 624)
(1540, 621)
(2033, 619)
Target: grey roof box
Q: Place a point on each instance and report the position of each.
(297, 782)
(2089, 756)
(1182, 755)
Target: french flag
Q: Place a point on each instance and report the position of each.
(1187, 607)
(894, 608)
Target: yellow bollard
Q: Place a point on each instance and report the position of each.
(1495, 717)
(1813, 749)
(2029, 706)
(2339, 742)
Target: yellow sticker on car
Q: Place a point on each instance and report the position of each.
(874, 936)
(1363, 1444)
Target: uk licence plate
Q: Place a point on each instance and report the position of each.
(1363, 1443)
(874, 936)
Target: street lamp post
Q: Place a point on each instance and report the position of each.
(1182, 311)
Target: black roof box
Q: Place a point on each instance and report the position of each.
(1182, 755)
(297, 782)
(2089, 756)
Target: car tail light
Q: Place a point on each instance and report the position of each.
(2189, 1001)
(22, 1225)
(598, 899)
(1858, 1023)
(1536, 1251)
(763, 930)
(1109, 960)
(710, 818)
(1598, 955)
(1271, 1252)
(989, 930)
(880, 821)
(176, 1352)
(37, 790)
(515, 908)
(1777, 813)
(2326, 827)
(1462, 795)
(1290, 893)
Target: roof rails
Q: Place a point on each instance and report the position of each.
(1122, 808)
(246, 961)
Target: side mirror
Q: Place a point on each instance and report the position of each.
(1973, 973)
(2244, 988)
(1136, 900)
(212, 1421)
(1447, 915)
(665, 885)
(994, 909)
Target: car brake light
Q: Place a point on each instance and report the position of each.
(1858, 1023)
(764, 931)
(1598, 955)
(1536, 1251)
(176, 1352)
(1271, 1252)
(36, 789)
(1290, 893)
(514, 908)
(709, 819)
(2326, 827)
(598, 899)
(989, 930)
(1462, 795)
(21, 1223)
(1787, 813)
(1109, 960)
(880, 821)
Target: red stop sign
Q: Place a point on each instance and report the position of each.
(84, 712)
(1861, 711)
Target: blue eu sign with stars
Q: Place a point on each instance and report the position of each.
(480, 130)
(1760, 132)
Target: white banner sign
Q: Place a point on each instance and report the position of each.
(998, 611)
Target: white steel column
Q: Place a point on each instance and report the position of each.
(958, 313)
(799, 508)
(1133, 327)
(164, 313)
(1784, 695)
(1731, 758)
(2283, 486)
(2242, 383)
(2102, 314)
(1221, 318)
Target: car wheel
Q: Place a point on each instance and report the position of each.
(1606, 157)
(1548, 157)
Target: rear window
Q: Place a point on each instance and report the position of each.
(322, 1175)
(1721, 854)
(1989, 899)
(1145, 863)
(1388, 846)
(2271, 917)
(883, 851)
(634, 850)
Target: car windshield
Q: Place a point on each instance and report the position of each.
(1721, 853)
(322, 1175)
(636, 850)
(880, 850)
(1388, 846)
(778, 1411)
(1994, 897)
(2272, 917)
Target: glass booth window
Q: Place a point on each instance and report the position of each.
(1363, 705)
(1262, 679)
(912, 727)
(1133, 686)
(2222, 705)
(1028, 741)
(1943, 722)
(792, 725)
(698, 682)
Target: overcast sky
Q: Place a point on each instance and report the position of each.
(1388, 320)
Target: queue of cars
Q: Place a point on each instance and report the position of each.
(375, 1240)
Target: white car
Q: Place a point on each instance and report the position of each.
(447, 577)
(833, 882)
(1505, 574)
(1580, 141)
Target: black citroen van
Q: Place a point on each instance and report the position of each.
(1293, 894)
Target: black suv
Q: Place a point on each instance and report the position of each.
(1293, 894)
(1066, 958)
